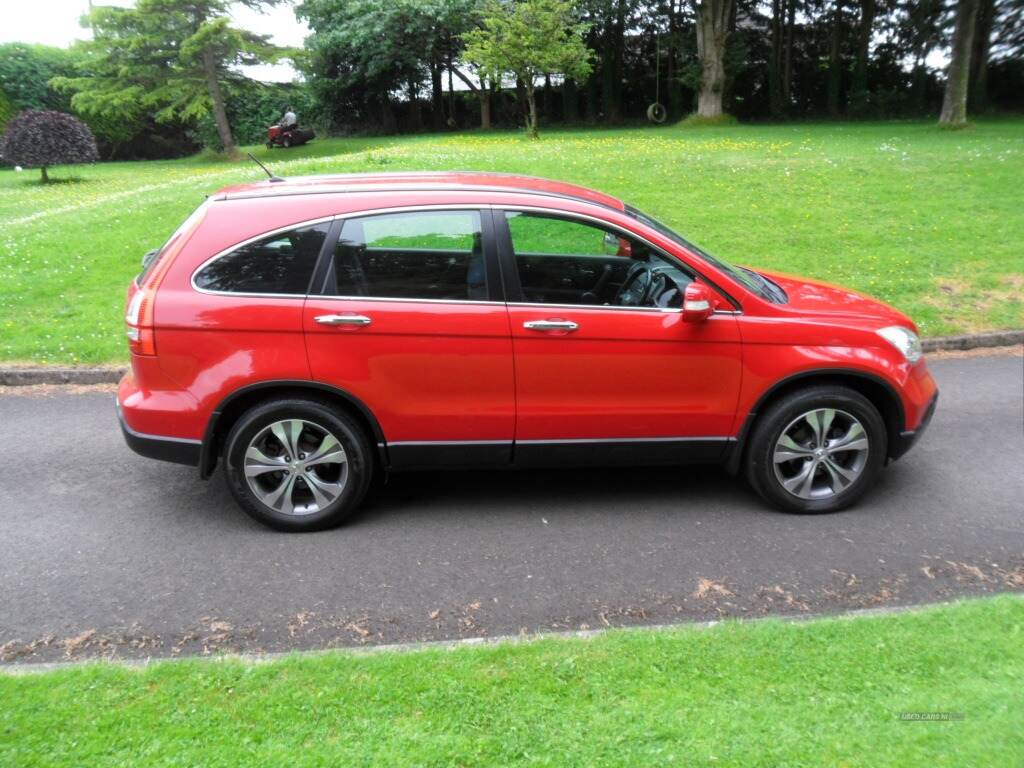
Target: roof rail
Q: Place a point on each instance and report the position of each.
(451, 187)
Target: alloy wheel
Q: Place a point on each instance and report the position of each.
(820, 454)
(295, 467)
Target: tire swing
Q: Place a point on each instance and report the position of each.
(657, 113)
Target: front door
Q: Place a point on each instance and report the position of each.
(605, 367)
(409, 322)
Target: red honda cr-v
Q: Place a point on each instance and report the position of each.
(311, 333)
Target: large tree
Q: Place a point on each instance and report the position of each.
(954, 102)
(529, 39)
(169, 58)
(713, 20)
(363, 51)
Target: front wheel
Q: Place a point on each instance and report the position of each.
(297, 464)
(818, 449)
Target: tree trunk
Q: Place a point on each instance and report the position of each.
(918, 85)
(712, 35)
(452, 116)
(483, 93)
(674, 93)
(859, 85)
(592, 102)
(835, 62)
(45, 177)
(545, 109)
(386, 110)
(531, 114)
(787, 56)
(611, 65)
(220, 115)
(775, 62)
(436, 95)
(570, 101)
(415, 114)
(954, 103)
(977, 92)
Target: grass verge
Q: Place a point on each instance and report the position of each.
(929, 220)
(823, 692)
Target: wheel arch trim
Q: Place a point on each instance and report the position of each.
(732, 462)
(208, 451)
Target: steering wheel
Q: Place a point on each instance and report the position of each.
(635, 288)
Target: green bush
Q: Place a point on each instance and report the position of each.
(7, 110)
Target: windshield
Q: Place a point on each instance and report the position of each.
(757, 283)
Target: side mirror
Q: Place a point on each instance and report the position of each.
(697, 303)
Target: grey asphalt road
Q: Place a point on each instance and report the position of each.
(103, 553)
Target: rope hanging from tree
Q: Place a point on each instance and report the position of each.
(657, 113)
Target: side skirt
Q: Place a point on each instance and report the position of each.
(665, 451)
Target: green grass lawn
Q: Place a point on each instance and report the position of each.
(821, 693)
(929, 220)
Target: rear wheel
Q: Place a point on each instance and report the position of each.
(816, 450)
(297, 465)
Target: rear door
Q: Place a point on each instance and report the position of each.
(605, 367)
(409, 318)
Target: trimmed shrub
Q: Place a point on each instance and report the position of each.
(39, 139)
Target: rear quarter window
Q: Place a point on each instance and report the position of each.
(186, 226)
(282, 263)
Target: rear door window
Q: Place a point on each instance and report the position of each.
(278, 264)
(436, 255)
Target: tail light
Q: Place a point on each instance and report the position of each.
(139, 314)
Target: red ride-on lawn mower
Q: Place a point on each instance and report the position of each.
(288, 137)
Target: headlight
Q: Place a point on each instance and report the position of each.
(904, 339)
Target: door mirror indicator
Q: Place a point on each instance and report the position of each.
(698, 303)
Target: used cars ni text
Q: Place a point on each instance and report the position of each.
(312, 334)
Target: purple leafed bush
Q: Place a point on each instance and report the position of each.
(38, 139)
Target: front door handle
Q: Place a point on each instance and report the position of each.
(359, 320)
(550, 325)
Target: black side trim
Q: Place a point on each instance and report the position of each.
(164, 449)
(732, 460)
(669, 451)
(424, 455)
(208, 456)
(557, 453)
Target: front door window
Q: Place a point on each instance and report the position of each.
(564, 261)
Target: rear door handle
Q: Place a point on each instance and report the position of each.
(550, 325)
(359, 320)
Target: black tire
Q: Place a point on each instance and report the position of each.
(781, 415)
(270, 145)
(318, 415)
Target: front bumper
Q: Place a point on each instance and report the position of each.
(175, 449)
(906, 440)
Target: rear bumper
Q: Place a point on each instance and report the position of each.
(174, 449)
(906, 440)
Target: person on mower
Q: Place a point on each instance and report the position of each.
(289, 120)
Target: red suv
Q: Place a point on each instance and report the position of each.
(317, 332)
